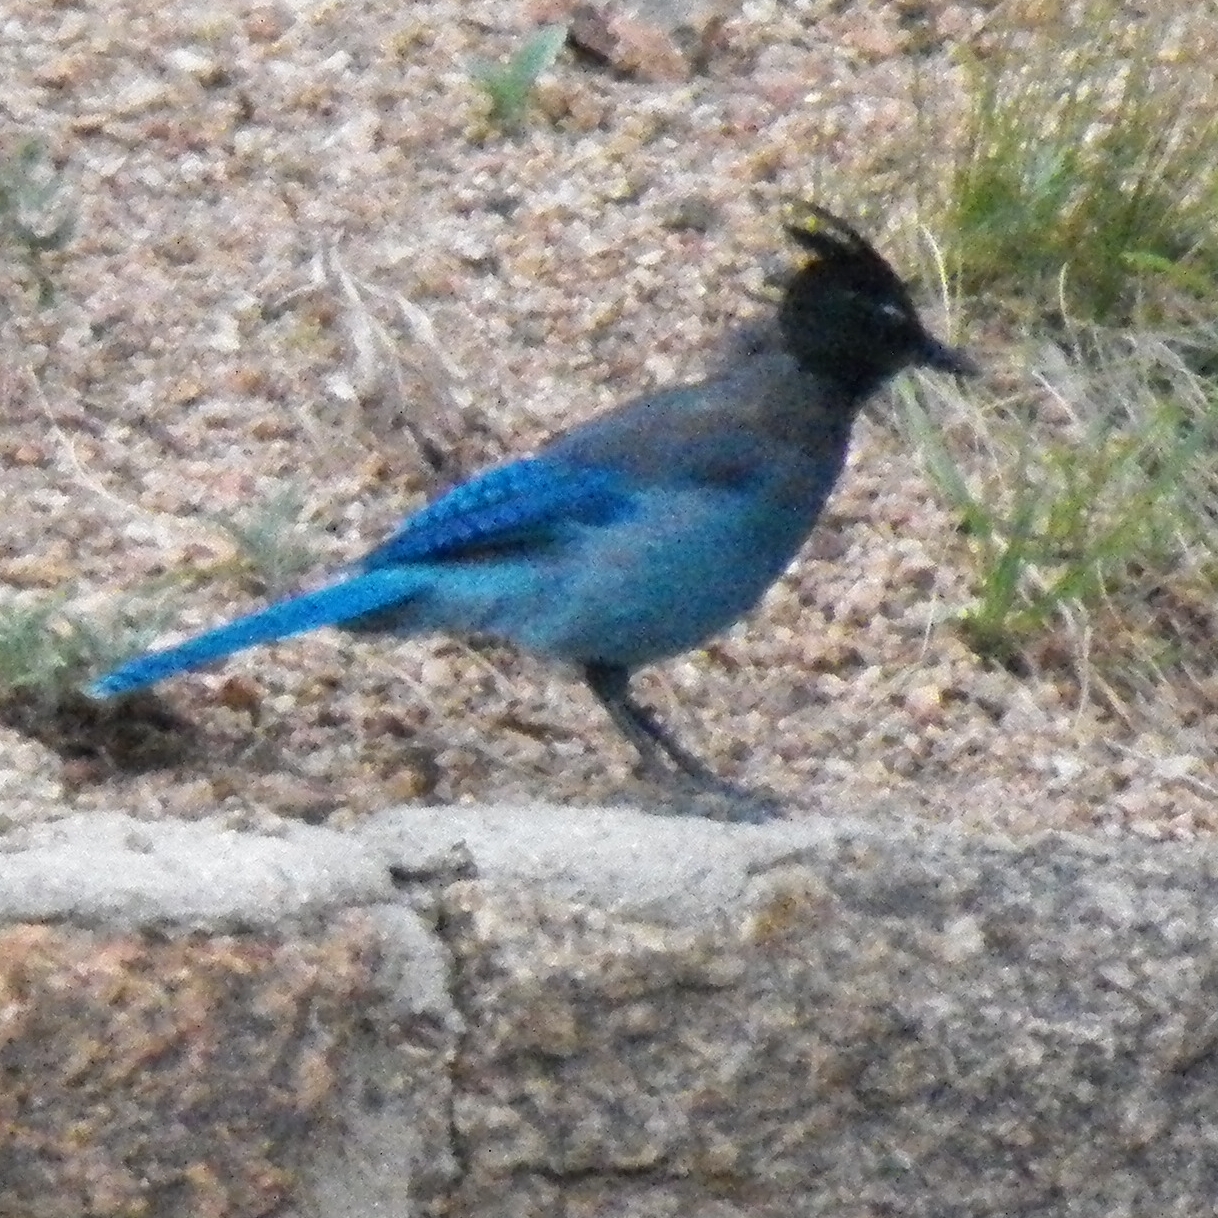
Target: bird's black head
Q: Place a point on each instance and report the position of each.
(847, 315)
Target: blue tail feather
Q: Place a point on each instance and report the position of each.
(329, 606)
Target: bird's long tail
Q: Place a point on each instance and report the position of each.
(330, 606)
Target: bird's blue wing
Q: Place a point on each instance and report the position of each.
(526, 503)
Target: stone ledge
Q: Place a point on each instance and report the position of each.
(113, 870)
(604, 1011)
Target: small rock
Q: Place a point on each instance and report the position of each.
(268, 23)
(140, 96)
(28, 454)
(873, 40)
(63, 72)
(241, 694)
(36, 571)
(925, 703)
(207, 71)
(417, 779)
(632, 46)
(696, 213)
(185, 390)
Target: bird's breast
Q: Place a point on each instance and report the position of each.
(665, 577)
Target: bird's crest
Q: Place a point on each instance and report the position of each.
(840, 250)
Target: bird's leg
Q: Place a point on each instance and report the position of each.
(611, 685)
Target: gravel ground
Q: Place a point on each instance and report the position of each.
(274, 201)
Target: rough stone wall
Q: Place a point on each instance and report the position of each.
(536, 1012)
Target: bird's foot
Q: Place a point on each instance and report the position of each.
(692, 787)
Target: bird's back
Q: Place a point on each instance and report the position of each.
(766, 421)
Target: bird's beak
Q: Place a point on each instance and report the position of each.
(943, 358)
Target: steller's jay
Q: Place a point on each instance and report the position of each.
(642, 532)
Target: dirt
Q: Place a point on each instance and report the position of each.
(274, 204)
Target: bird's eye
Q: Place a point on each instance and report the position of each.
(893, 312)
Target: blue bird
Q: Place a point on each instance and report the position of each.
(639, 534)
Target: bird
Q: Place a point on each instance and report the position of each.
(638, 534)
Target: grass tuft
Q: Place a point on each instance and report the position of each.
(1079, 206)
(47, 650)
(270, 542)
(1087, 176)
(1087, 498)
(509, 86)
